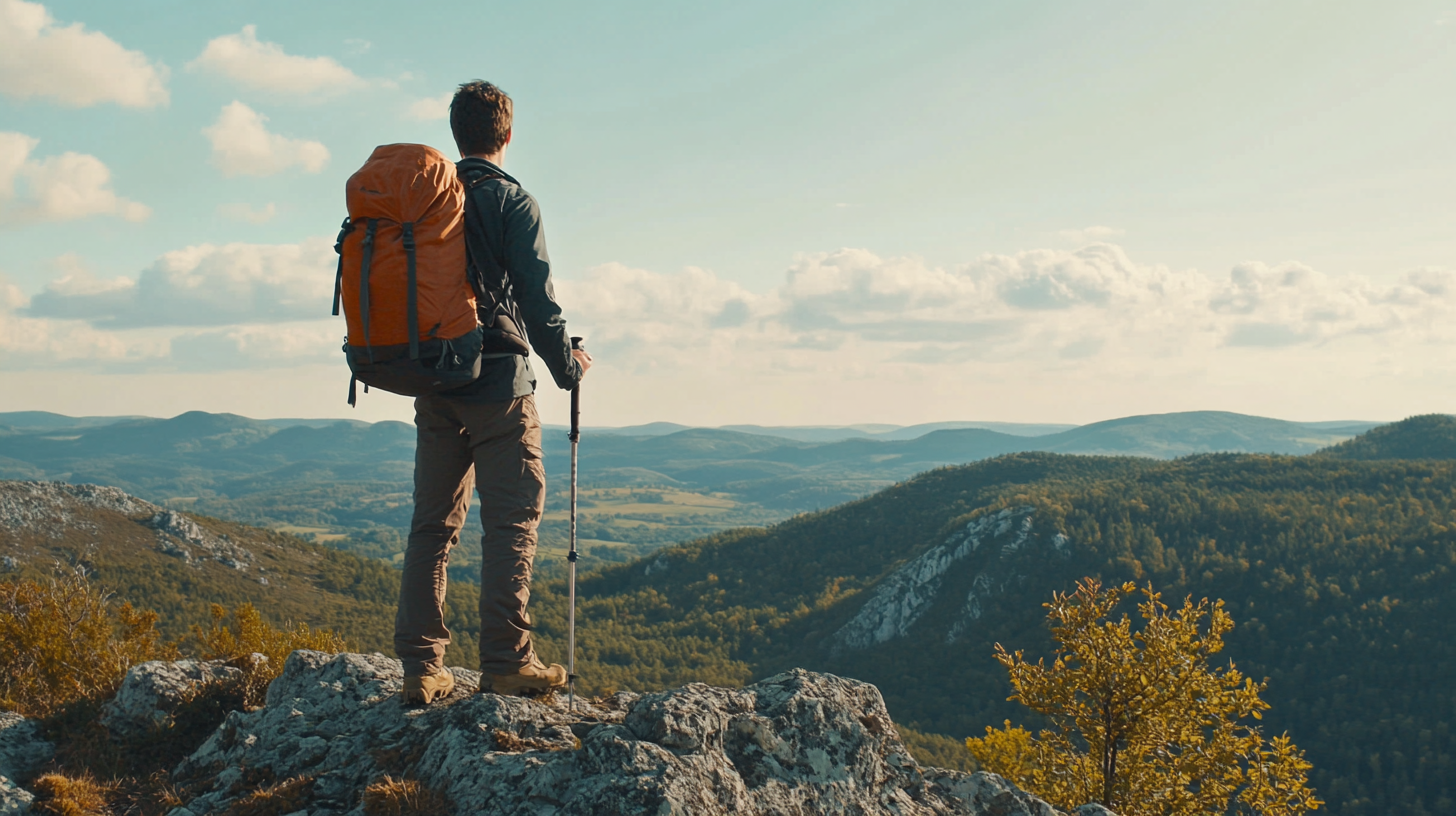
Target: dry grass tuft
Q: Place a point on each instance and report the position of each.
(61, 795)
(403, 797)
(285, 797)
(513, 743)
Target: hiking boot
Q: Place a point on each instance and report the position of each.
(532, 678)
(429, 688)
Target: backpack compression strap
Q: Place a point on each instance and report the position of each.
(413, 315)
(344, 230)
(368, 247)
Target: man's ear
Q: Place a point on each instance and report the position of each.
(508, 137)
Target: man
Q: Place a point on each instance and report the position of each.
(488, 434)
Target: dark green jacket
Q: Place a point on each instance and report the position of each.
(514, 219)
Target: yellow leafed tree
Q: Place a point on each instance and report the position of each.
(1140, 721)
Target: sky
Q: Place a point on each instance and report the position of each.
(771, 213)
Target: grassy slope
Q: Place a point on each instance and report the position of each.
(306, 582)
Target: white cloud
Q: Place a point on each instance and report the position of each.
(268, 346)
(73, 66)
(27, 342)
(1087, 235)
(846, 335)
(242, 146)
(204, 308)
(431, 108)
(263, 66)
(57, 188)
(246, 213)
(1094, 305)
(204, 285)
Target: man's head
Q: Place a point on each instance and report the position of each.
(480, 118)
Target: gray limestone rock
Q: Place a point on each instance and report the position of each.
(1092, 809)
(152, 692)
(14, 800)
(51, 506)
(178, 535)
(21, 748)
(799, 742)
(21, 751)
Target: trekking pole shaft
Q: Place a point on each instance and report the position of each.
(571, 554)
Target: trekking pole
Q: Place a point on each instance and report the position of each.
(575, 437)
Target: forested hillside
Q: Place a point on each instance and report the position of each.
(1432, 436)
(1339, 573)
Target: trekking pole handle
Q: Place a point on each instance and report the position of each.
(577, 343)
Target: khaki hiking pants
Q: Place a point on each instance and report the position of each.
(496, 447)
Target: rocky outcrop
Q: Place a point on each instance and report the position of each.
(799, 742)
(21, 747)
(152, 693)
(988, 544)
(21, 751)
(182, 537)
(53, 505)
(56, 510)
(14, 800)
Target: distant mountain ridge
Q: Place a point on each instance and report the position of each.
(348, 479)
(42, 420)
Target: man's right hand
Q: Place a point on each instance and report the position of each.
(584, 358)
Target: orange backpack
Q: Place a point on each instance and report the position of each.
(403, 275)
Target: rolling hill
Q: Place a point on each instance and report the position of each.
(1431, 436)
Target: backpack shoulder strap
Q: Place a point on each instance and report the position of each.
(488, 266)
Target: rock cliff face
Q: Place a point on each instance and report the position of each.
(797, 743)
(992, 550)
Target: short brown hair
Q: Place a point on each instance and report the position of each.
(480, 118)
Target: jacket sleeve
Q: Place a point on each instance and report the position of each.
(530, 273)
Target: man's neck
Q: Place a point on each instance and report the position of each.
(498, 159)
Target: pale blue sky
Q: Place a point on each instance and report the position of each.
(660, 136)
